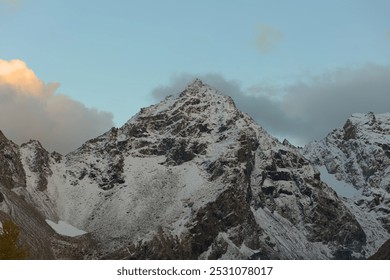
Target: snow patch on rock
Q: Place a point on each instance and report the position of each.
(64, 228)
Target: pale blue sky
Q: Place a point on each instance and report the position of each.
(112, 54)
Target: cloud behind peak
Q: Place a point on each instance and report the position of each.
(304, 110)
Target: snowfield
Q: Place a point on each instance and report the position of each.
(66, 229)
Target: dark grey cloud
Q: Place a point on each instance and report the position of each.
(179, 82)
(326, 101)
(257, 102)
(305, 110)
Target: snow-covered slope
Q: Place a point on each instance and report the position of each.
(21, 206)
(192, 177)
(358, 155)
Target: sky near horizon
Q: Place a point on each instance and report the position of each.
(299, 68)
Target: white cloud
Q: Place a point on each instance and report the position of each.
(267, 38)
(31, 109)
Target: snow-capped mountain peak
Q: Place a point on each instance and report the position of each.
(195, 175)
(197, 100)
(368, 126)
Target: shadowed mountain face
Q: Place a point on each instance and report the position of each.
(17, 204)
(383, 253)
(189, 178)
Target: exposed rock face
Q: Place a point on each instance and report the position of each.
(359, 154)
(383, 253)
(12, 174)
(38, 162)
(22, 197)
(193, 178)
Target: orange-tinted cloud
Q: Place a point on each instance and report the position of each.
(31, 109)
(15, 74)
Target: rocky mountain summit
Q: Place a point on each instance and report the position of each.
(191, 177)
(358, 154)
